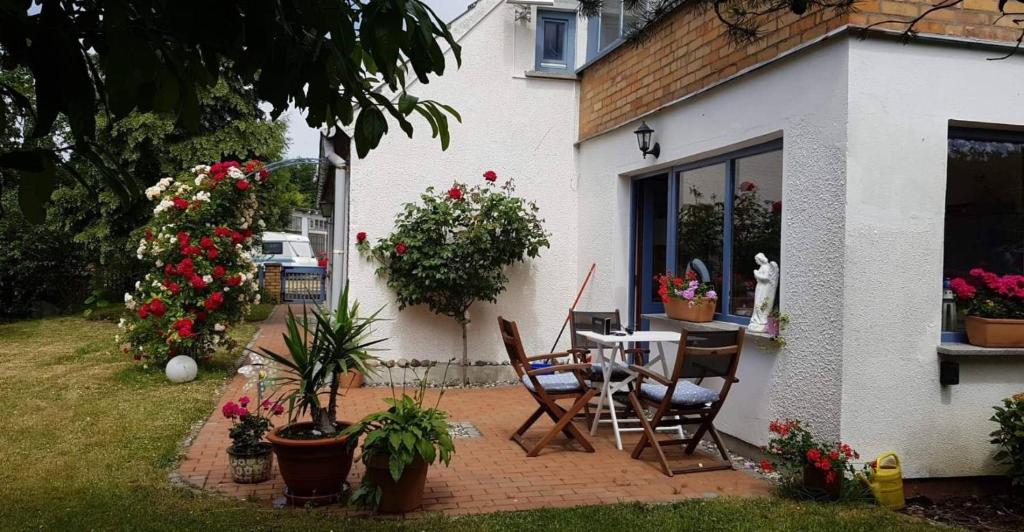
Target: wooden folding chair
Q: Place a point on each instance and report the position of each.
(548, 385)
(677, 401)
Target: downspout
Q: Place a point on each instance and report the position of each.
(339, 229)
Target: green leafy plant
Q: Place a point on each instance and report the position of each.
(1009, 437)
(403, 433)
(793, 448)
(319, 352)
(452, 248)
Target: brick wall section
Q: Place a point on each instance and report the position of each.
(690, 51)
(271, 283)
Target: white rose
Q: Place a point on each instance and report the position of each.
(236, 173)
(208, 279)
(138, 284)
(219, 327)
(159, 263)
(199, 181)
(120, 324)
(261, 223)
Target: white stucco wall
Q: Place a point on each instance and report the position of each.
(804, 380)
(522, 128)
(901, 101)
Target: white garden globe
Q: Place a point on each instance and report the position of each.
(181, 369)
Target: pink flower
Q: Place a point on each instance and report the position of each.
(962, 288)
(277, 409)
(229, 409)
(711, 294)
(490, 176)
(748, 186)
(688, 294)
(976, 272)
(244, 401)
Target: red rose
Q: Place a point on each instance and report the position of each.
(234, 281)
(185, 267)
(222, 232)
(242, 184)
(144, 311)
(192, 250)
(361, 237)
(185, 332)
(490, 176)
(455, 193)
(169, 269)
(157, 308)
(767, 466)
(218, 272)
(748, 186)
(183, 238)
(174, 288)
(197, 282)
(206, 242)
(249, 167)
(183, 322)
(833, 455)
(400, 248)
(814, 455)
(263, 175)
(180, 204)
(211, 254)
(237, 237)
(149, 235)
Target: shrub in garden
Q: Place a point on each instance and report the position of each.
(1009, 437)
(451, 249)
(202, 278)
(793, 449)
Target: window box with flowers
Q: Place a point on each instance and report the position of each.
(995, 308)
(687, 299)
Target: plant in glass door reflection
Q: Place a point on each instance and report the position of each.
(989, 295)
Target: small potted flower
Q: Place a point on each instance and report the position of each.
(802, 461)
(995, 308)
(686, 298)
(249, 457)
(399, 445)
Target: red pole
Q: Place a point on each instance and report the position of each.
(568, 316)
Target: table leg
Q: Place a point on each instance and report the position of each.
(664, 362)
(605, 386)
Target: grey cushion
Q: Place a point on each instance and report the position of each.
(554, 382)
(685, 394)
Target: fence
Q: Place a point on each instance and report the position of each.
(303, 284)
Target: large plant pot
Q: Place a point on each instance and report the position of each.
(250, 468)
(403, 496)
(314, 471)
(351, 379)
(679, 309)
(988, 332)
(814, 481)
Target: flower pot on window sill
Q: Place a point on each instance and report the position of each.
(681, 309)
(251, 468)
(992, 332)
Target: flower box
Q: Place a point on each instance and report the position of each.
(990, 332)
(680, 309)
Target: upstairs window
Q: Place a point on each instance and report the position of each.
(556, 39)
(610, 27)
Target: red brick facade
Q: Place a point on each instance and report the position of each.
(690, 51)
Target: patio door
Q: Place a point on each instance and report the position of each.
(650, 250)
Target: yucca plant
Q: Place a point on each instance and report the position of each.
(320, 350)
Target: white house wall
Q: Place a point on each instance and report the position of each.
(804, 101)
(522, 128)
(901, 101)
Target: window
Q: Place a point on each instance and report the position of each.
(273, 248)
(608, 28)
(984, 223)
(728, 210)
(556, 41)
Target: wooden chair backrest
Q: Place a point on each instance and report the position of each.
(709, 354)
(583, 320)
(513, 346)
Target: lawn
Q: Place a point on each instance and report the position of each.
(89, 440)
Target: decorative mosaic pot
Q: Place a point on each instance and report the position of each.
(680, 309)
(252, 467)
(987, 332)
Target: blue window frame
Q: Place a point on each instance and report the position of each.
(556, 41)
(720, 210)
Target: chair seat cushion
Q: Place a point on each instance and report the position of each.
(554, 382)
(685, 394)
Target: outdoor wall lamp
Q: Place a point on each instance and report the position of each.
(643, 138)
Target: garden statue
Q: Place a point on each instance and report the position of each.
(767, 276)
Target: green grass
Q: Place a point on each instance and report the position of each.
(259, 312)
(88, 440)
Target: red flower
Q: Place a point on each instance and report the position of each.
(183, 238)
(244, 401)
(211, 254)
(400, 248)
(157, 308)
(242, 184)
(236, 237)
(169, 269)
(229, 409)
(222, 232)
(833, 455)
(206, 242)
(183, 323)
(197, 282)
(361, 237)
(490, 176)
(192, 251)
(776, 207)
(214, 301)
(180, 204)
(455, 193)
(748, 186)
(218, 271)
(185, 267)
(144, 311)
(149, 235)
(201, 315)
(185, 332)
(277, 409)
(962, 288)
(767, 466)
(235, 280)
(813, 455)
(174, 288)
(976, 272)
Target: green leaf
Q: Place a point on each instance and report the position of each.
(406, 103)
(370, 128)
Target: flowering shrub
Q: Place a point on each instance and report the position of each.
(792, 448)
(202, 279)
(1009, 437)
(687, 289)
(990, 296)
(248, 428)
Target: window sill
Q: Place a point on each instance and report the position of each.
(550, 75)
(715, 325)
(968, 350)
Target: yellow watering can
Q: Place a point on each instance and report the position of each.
(886, 480)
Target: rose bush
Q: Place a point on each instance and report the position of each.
(202, 279)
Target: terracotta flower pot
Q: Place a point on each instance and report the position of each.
(403, 496)
(989, 332)
(680, 309)
(314, 471)
(814, 481)
(250, 468)
(351, 379)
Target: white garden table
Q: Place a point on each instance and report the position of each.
(610, 347)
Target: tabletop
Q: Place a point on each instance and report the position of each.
(637, 336)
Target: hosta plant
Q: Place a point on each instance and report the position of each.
(202, 279)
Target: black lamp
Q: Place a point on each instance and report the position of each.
(643, 138)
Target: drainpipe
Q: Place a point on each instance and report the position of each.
(339, 230)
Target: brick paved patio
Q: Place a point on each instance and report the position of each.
(489, 473)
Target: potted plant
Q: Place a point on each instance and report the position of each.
(399, 446)
(1009, 437)
(777, 324)
(995, 308)
(814, 467)
(249, 457)
(315, 456)
(686, 298)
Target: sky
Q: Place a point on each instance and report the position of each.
(304, 141)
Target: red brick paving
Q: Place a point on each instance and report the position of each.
(490, 473)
